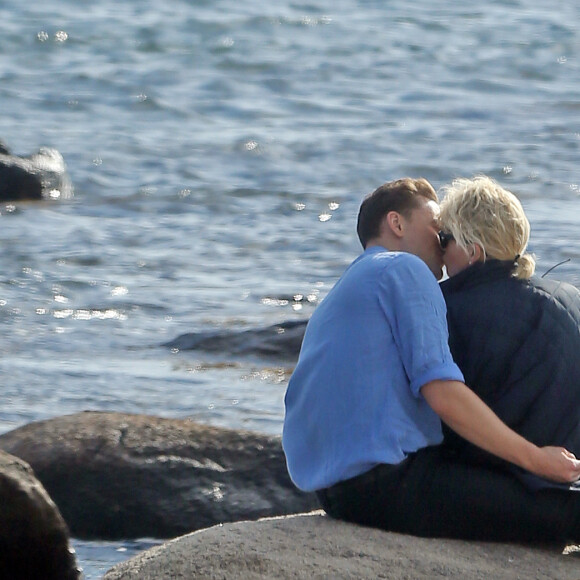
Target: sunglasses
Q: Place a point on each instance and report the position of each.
(445, 238)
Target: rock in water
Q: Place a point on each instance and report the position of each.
(117, 475)
(281, 341)
(42, 175)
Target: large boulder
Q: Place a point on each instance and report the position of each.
(34, 538)
(118, 475)
(315, 546)
(42, 175)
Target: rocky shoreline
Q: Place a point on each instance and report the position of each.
(225, 499)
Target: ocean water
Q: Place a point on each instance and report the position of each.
(219, 152)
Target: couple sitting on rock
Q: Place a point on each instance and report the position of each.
(452, 409)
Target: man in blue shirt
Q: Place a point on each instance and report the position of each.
(374, 380)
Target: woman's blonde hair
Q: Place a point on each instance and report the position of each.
(480, 211)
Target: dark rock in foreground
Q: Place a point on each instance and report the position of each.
(116, 475)
(282, 341)
(34, 538)
(313, 546)
(42, 175)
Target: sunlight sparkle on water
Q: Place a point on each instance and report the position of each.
(119, 291)
(81, 314)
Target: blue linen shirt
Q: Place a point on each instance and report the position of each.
(354, 398)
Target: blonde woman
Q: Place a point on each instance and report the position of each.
(515, 337)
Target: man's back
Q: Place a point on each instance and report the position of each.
(353, 400)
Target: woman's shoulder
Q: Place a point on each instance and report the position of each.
(556, 290)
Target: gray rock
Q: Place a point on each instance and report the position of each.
(281, 341)
(313, 546)
(34, 538)
(42, 175)
(115, 475)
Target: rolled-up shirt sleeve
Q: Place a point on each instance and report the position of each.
(414, 305)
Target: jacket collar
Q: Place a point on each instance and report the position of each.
(487, 271)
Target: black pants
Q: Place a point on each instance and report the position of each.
(432, 494)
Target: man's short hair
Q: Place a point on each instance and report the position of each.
(401, 196)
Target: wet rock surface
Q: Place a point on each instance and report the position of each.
(42, 175)
(281, 341)
(34, 538)
(313, 546)
(117, 475)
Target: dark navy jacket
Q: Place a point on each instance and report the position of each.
(518, 345)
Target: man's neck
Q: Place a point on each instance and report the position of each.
(387, 244)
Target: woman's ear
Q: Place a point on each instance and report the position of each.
(475, 253)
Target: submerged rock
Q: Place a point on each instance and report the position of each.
(313, 546)
(282, 341)
(117, 475)
(34, 538)
(42, 175)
